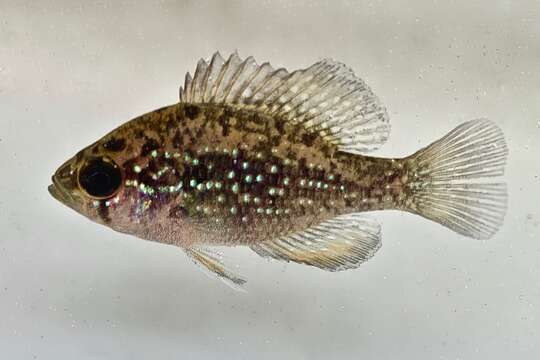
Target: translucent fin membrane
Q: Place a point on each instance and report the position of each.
(326, 98)
(342, 243)
(213, 263)
(449, 179)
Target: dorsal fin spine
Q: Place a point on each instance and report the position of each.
(326, 98)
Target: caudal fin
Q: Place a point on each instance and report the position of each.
(449, 179)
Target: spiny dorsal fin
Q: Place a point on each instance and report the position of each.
(326, 97)
(341, 243)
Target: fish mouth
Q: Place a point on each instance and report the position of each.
(58, 192)
(61, 185)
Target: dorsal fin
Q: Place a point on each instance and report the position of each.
(326, 97)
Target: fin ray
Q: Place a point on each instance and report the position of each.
(327, 98)
(341, 243)
(213, 263)
(448, 179)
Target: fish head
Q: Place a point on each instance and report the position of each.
(90, 181)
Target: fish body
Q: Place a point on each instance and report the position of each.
(276, 161)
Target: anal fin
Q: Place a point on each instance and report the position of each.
(341, 243)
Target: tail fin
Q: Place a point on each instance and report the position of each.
(448, 181)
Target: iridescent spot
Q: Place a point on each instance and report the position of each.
(269, 211)
(137, 169)
(286, 181)
(206, 210)
(260, 210)
(246, 198)
(154, 153)
(319, 184)
(234, 188)
(310, 183)
(260, 178)
(230, 175)
(146, 189)
(248, 178)
(195, 162)
(257, 200)
(209, 185)
(244, 218)
(234, 210)
(272, 191)
(221, 198)
(286, 162)
(273, 169)
(281, 192)
(302, 183)
(134, 183)
(193, 183)
(245, 165)
(235, 152)
(218, 185)
(200, 187)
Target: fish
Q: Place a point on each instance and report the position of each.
(279, 162)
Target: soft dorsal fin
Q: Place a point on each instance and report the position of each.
(341, 243)
(326, 97)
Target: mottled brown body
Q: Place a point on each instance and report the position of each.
(206, 173)
(275, 160)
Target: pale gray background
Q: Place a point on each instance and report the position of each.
(70, 289)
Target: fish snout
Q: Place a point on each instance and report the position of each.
(63, 183)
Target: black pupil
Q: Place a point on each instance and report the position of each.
(100, 179)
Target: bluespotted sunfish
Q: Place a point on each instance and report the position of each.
(276, 161)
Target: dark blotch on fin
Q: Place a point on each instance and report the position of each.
(308, 138)
(191, 111)
(115, 144)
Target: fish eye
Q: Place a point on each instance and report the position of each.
(100, 178)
